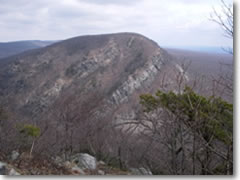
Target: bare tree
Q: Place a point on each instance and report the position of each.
(224, 19)
(161, 132)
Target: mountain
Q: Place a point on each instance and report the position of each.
(107, 71)
(12, 48)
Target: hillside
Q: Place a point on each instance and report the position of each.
(115, 68)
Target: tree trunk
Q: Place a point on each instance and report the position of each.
(194, 153)
(183, 150)
(32, 148)
(119, 158)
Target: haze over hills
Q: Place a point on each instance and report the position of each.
(12, 48)
(202, 63)
(203, 49)
(16, 47)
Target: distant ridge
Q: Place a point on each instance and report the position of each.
(16, 47)
(205, 49)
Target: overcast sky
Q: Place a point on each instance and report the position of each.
(168, 22)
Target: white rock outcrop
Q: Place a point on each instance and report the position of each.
(141, 77)
(84, 161)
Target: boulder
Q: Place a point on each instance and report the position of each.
(68, 164)
(14, 155)
(101, 163)
(140, 171)
(13, 172)
(74, 169)
(58, 160)
(84, 161)
(3, 169)
(77, 170)
(100, 172)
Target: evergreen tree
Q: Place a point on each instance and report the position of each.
(30, 131)
(210, 118)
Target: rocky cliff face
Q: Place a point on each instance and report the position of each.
(114, 68)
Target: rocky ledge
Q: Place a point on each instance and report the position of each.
(78, 164)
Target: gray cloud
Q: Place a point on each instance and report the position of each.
(175, 22)
(119, 2)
